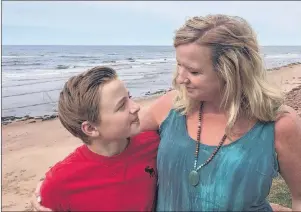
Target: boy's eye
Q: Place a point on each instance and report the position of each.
(194, 73)
(129, 95)
(122, 106)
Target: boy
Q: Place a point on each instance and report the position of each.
(115, 168)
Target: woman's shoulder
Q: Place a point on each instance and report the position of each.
(288, 128)
(167, 98)
(151, 117)
(288, 120)
(162, 106)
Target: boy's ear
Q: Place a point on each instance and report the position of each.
(89, 129)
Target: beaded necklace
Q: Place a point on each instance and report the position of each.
(194, 177)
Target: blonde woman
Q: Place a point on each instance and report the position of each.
(224, 130)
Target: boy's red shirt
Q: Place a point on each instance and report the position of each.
(85, 181)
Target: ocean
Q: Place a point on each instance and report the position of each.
(32, 76)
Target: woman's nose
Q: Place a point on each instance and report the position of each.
(181, 78)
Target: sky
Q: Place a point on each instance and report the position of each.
(138, 22)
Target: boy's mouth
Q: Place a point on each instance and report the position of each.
(136, 120)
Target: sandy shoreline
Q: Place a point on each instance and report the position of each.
(29, 149)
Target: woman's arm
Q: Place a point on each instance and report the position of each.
(35, 203)
(288, 148)
(151, 117)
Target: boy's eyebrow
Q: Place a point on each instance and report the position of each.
(119, 103)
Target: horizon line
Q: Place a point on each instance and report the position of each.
(118, 45)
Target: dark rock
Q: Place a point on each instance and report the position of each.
(45, 118)
(131, 59)
(6, 122)
(161, 91)
(22, 119)
(7, 118)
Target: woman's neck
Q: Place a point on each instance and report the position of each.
(108, 148)
(213, 107)
(210, 107)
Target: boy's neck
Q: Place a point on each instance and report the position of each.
(108, 149)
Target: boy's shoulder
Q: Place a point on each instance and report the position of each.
(146, 137)
(147, 141)
(54, 188)
(67, 166)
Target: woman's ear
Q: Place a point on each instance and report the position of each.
(89, 129)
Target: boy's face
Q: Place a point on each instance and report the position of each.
(118, 113)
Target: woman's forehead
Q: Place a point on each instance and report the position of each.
(193, 54)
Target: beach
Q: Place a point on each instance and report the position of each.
(31, 146)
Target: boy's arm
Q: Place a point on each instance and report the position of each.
(36, 198)
(51, 193)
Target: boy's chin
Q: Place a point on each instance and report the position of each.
(135, 130)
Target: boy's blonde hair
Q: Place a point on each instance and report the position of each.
(80, 98)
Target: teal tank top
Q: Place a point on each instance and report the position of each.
(238, 178)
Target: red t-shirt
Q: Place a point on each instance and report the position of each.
(85, 181)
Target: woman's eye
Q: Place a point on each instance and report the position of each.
(194, 73)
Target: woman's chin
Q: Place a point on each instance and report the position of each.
(192, 95)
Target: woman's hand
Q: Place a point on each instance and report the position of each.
(277, 207)
(36, 199)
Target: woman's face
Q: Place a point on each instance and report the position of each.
(196, 72)
(118, 113)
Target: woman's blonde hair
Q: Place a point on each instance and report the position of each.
(237, 61)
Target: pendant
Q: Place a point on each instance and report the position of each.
(194, 178)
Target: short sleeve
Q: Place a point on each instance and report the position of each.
(52, 194)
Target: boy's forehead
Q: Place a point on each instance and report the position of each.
(112, 91)
(113, 87)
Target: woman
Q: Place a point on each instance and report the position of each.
(225, 133)
(115, 168)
